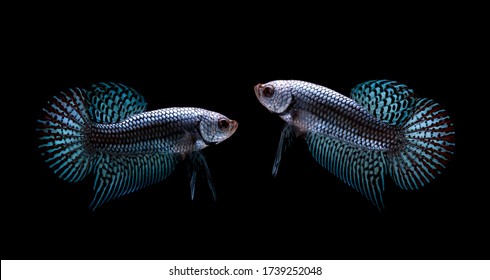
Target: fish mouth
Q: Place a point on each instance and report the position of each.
(234, 126)
(257, 88)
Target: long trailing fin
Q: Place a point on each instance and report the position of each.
(63, 132)
(119, 175)
(361, 169)
(429, 144)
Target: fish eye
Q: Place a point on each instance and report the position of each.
(268, 91)
(223, 124)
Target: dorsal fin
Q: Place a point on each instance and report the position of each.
(388, 101)
(114, 102)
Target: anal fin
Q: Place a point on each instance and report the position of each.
(116, 176)
(361, 169)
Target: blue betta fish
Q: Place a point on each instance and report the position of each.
(106, 130)
(382, 129)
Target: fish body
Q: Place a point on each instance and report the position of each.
(322, 110)
(382, 129)
(107, 130)
(173, 130)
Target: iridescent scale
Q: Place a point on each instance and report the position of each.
(165, 130)
(382, 129)
(322, 110)
(106, 130)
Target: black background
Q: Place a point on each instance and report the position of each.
(305, 213)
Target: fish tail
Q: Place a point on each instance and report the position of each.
(63, 130)
(426, 148)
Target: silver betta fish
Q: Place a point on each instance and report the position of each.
(382, 129)
(105, 130)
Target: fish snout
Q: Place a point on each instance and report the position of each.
(257, 89)
(234, 126)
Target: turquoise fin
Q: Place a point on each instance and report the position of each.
(388, 101)
(113, 102)
(116, 176)
(361, 169)
(62, 135)
(428, 147)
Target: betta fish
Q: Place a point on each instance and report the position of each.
(107, 131)
(382, 129)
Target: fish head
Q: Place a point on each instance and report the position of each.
(215, 127)
(276, 96)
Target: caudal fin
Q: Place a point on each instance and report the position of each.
(429, 145)
(63, 129)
